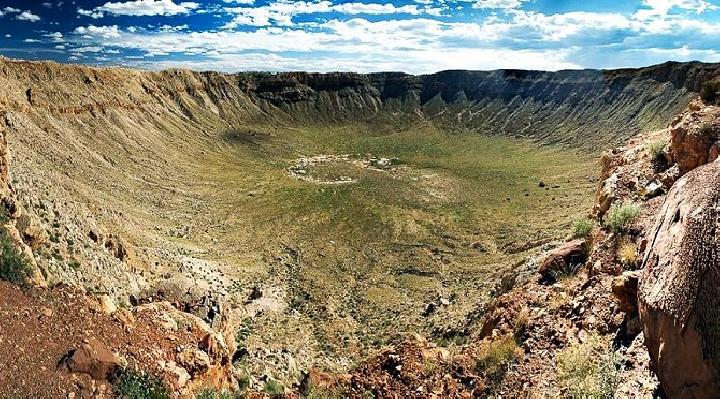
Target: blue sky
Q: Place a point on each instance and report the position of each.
(416, 36)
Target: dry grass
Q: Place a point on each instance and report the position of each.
(495, 357)
(588, 370)
(627, 254)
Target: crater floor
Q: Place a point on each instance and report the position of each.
(411, 233)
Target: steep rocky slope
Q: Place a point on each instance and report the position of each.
(633, 317)
(602, 107)
(133, 186)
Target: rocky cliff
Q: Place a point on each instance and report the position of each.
(588, 108)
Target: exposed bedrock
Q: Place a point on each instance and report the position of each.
(588, 108)
(679, 294)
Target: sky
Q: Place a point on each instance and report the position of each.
(414, 36)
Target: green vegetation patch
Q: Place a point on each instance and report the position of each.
(131, 384)
(709, 92)
(621, 216)
(14, 268)
(582, 228)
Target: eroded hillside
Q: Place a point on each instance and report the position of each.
(309, 219)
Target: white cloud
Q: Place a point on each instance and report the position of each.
(281, 12)
(512, 39)
(91, 13)
(497, 4)
(420, 45)
(56, 37)
(365, 8)
(141, 8)
(660, 8)
(171, 28)
(419, 62)
(87, 49)
(31, 41)
(104, 32)
(27, 16)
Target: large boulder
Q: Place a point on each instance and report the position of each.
(625, 289)
(93, 358)
(694, 137)
(561, 260)
(679, 293)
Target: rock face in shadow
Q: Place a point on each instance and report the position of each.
(679, 294)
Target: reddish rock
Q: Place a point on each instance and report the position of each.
(319, 380)
(93, 358)
(625, 290)
(694, 138)
(679, 293)
(568, 254)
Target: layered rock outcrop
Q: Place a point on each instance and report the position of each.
(576, 108)
(694, 137)
(679, 293)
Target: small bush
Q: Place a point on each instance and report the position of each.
(567, 271)
(212, 393)
(656, 149)
(707, 130)
(709, 92)
(495, 358)
(582, 228)
(14, 268)
(131, 384)
(588, 370)
(520, 324)
(317, 393)
(627, 254)
(273, 388)
(621, 216)
(74, 264)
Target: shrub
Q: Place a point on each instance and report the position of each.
(273, 388)
(567, 271)
(582, 228)
(627, 254)
(588, 370)
(656, 149)
(621, 216)
(495, 358)
(317, 393)
(707, 129)
(131, 384)
(212, 393)
(709, 92)
(520, 324)
(14, 268)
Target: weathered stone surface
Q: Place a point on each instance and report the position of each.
(625, 289)
(93, 358)
(679, 293)
(694, 138)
